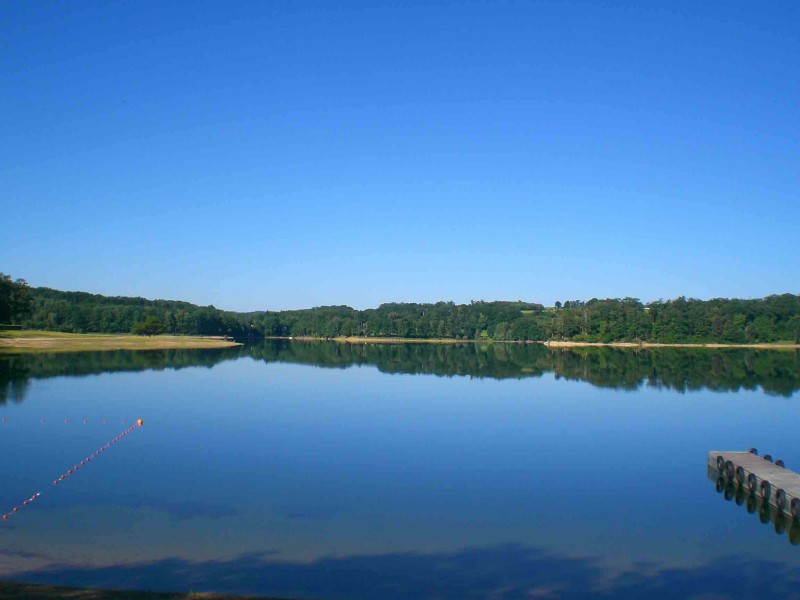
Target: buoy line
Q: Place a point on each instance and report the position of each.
(69, 421)
(75, 468)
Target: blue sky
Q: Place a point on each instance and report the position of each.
(273, 155)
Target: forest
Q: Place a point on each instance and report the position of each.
(772, 319)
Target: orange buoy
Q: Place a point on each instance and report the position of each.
(140, 422)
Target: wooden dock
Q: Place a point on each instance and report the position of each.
(771, 482)
(766, 514)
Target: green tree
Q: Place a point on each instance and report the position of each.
(794, 328)
(172, 323)
(15, 299)
(150, 326)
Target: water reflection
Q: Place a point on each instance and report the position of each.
(678, 369)
(765, 512)
(267, 478)
(17, 370)
(506, 572)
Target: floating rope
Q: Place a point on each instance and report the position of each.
(24, 504)
(75, 468)
(67, 421)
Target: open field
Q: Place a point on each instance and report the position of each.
(26, 591)
(53, 341)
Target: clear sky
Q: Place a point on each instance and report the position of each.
(273, 155)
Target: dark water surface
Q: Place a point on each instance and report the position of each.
(325, 470)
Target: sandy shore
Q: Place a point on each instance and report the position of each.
(549, 344)
(48, 341)
(376, 340)
(554, 344)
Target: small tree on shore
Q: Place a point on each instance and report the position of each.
(150, 326)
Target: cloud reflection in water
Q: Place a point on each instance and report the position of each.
(506, 572)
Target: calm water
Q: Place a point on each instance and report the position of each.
(321, 470)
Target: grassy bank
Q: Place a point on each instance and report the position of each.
(26, 591)
(27, 341)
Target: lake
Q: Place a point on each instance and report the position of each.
(328, 470)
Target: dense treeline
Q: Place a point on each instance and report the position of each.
(775, 318)
(771, 319)
(80, 312)
(668, 368)
(444, 320)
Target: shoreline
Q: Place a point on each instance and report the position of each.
(548, 343)
(29, 342)
(656, 345)
(12, 590)
(379, 340)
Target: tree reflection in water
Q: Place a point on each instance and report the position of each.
(724, 370)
